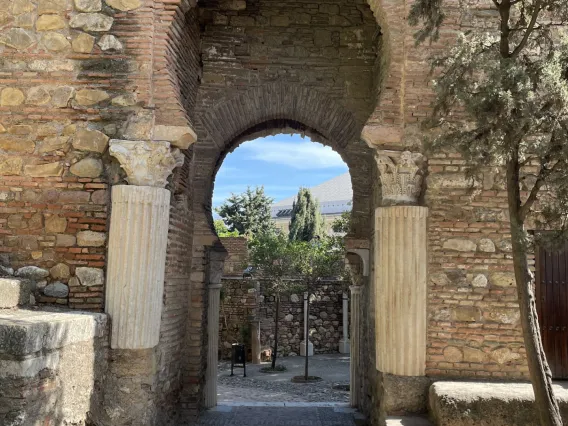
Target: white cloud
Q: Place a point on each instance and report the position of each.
(302, 156)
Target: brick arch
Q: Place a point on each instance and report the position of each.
(275, 101)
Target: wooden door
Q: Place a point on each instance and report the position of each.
(552, 304)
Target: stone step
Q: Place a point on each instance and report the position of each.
(407, 421)
(14, 292)
(495, 403)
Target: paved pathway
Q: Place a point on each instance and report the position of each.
(278, 416)
(277, 387)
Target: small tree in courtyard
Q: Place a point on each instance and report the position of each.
(248, 213)
(509, 83)
(272, 257)
(317, 260)
(306, 222)
(222, 230)
(342, 224)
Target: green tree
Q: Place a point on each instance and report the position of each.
(222, 230)
(342, 224)
(272, 256)
(306, 222)
(315, 261)
(509, 82)
(248, 213)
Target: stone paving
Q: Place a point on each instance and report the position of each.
(278, 416)
(277, 387)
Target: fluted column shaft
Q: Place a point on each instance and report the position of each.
(344, 343)
(136, 263)
(400, 287)
(355, 382)
(213, 345)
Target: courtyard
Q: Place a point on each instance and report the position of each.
(276, 389)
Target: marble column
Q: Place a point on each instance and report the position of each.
(216, 261)
(303, 342)
(344, 342)
(137, 242)
(355, 382)
(400, 288)
(212, 346)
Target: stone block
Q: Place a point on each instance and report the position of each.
(22, 6)
(502, 279)
(89, 97)
(88, 167)
(11, 96)
(459, 244)
(10, 166)
(55, 224)
(51, 6)
(57, 143)
(109, 42)
(60, 271)
(180, 136)
(17, 38)
(14, 292)
(55, 42)
(90, 277)
(65, 240)
(90, 140)
(404, 394)
(50, 23)
(24, 332)
(32, 273)
(56, 289)
(88, 5)
(91, 239)
(486, 245)
(61, 96)
(488, 403)
(44, 170)
(83, 43)
(124, 5)
(92, 22)
(24, 146)
(466, 314)
(38, 96)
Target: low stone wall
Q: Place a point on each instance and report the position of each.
(51, 363)
(241, 304)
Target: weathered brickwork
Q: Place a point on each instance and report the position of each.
(237, 252)
(474, 317)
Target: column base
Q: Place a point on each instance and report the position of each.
(345, 347)
(303, 348)
(401, 395)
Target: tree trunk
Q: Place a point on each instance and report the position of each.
(540, 375)
(275, 354)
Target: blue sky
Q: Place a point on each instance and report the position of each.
(281, 163)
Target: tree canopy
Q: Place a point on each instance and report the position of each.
(222, 230)
(248, 213)
(306, 222)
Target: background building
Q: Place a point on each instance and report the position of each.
(335, 196)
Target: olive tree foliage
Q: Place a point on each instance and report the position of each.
(502, 101)
(248, 213)
(273, 258)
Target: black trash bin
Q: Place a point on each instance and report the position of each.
(239, 357)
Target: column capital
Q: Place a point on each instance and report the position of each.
(146, 163)
(356, 289)
(401, 174)
(215, 286)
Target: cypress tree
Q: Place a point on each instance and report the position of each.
(306, 222)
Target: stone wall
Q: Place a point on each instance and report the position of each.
(241, 304)
(474, 316)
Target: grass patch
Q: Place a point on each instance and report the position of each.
(277, 369)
